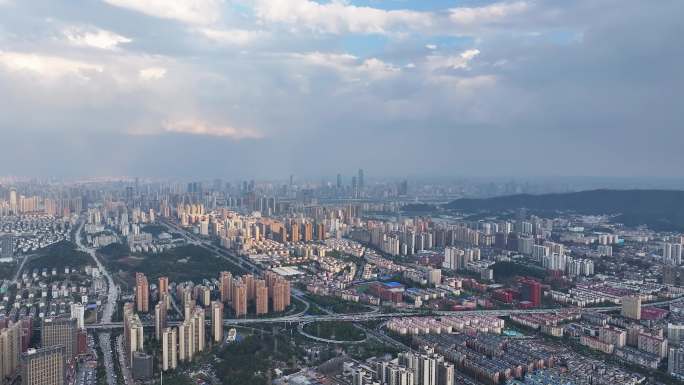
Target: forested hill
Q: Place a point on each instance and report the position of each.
(659, 209)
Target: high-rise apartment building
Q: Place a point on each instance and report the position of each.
(142, 293)
(198, 318)
(261, 297)
(675, 333)
(294, 232)
(675, 363)
(46, 366)
(10, 349)
(226, 286)
(428, 368)
(308, 232)
(13, 201)
(6, 246)
(163, 285)
(169, 349)
(60, 331)
(278, 291)
(239, 302)
(136, 336)
(446, 373)
(613, 336)
(186, 341)
(652, 344)
(204, 296)
(631, 307)
(187, 309)
(530, 290)
(159, 319)
(78, 313)
(217, 321)
(248, 280)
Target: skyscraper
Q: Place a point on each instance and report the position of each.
(187, 309)
(163, 285)
(204, 295)
(248, 280)
(308, 232)
(631, 307)
(280, 296)
(226, 286)
(159, 319)
(531, 291)
(78, 313)
(60, 331)
(361, 179)
(675, 362)
(169, 349)
(261, 297)
(13, 201)
(136, 336)
(217, 321)
(186, 341)
(278, 291)
(6, 246)
(142, 293)
(10, 348)
(320, 231)
(239, 302)
(445, 373)
(199, 329)
(191, 335)
(294, 232)
(46, 366)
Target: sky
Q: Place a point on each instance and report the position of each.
(268, 88)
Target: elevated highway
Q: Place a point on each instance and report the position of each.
(301, 318)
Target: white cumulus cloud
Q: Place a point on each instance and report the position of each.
(238, 37)
(349, 66)
(338, 17)
(199, 127)
(46, 66)
(487, 14)
(152, 73)
(186, 11)
(94, 37)
(460, 61)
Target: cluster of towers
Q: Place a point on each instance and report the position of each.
(243, 294)
(239, 292)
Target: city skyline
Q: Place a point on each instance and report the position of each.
(258, 87)
(233, 283)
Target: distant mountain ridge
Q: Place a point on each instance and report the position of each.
(658, 209)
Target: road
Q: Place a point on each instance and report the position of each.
(125, 371)
(193, 239)
(300, 329)
(21, 267)
(379, 316)
(112, 295)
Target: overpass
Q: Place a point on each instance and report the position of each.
(379, 316)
